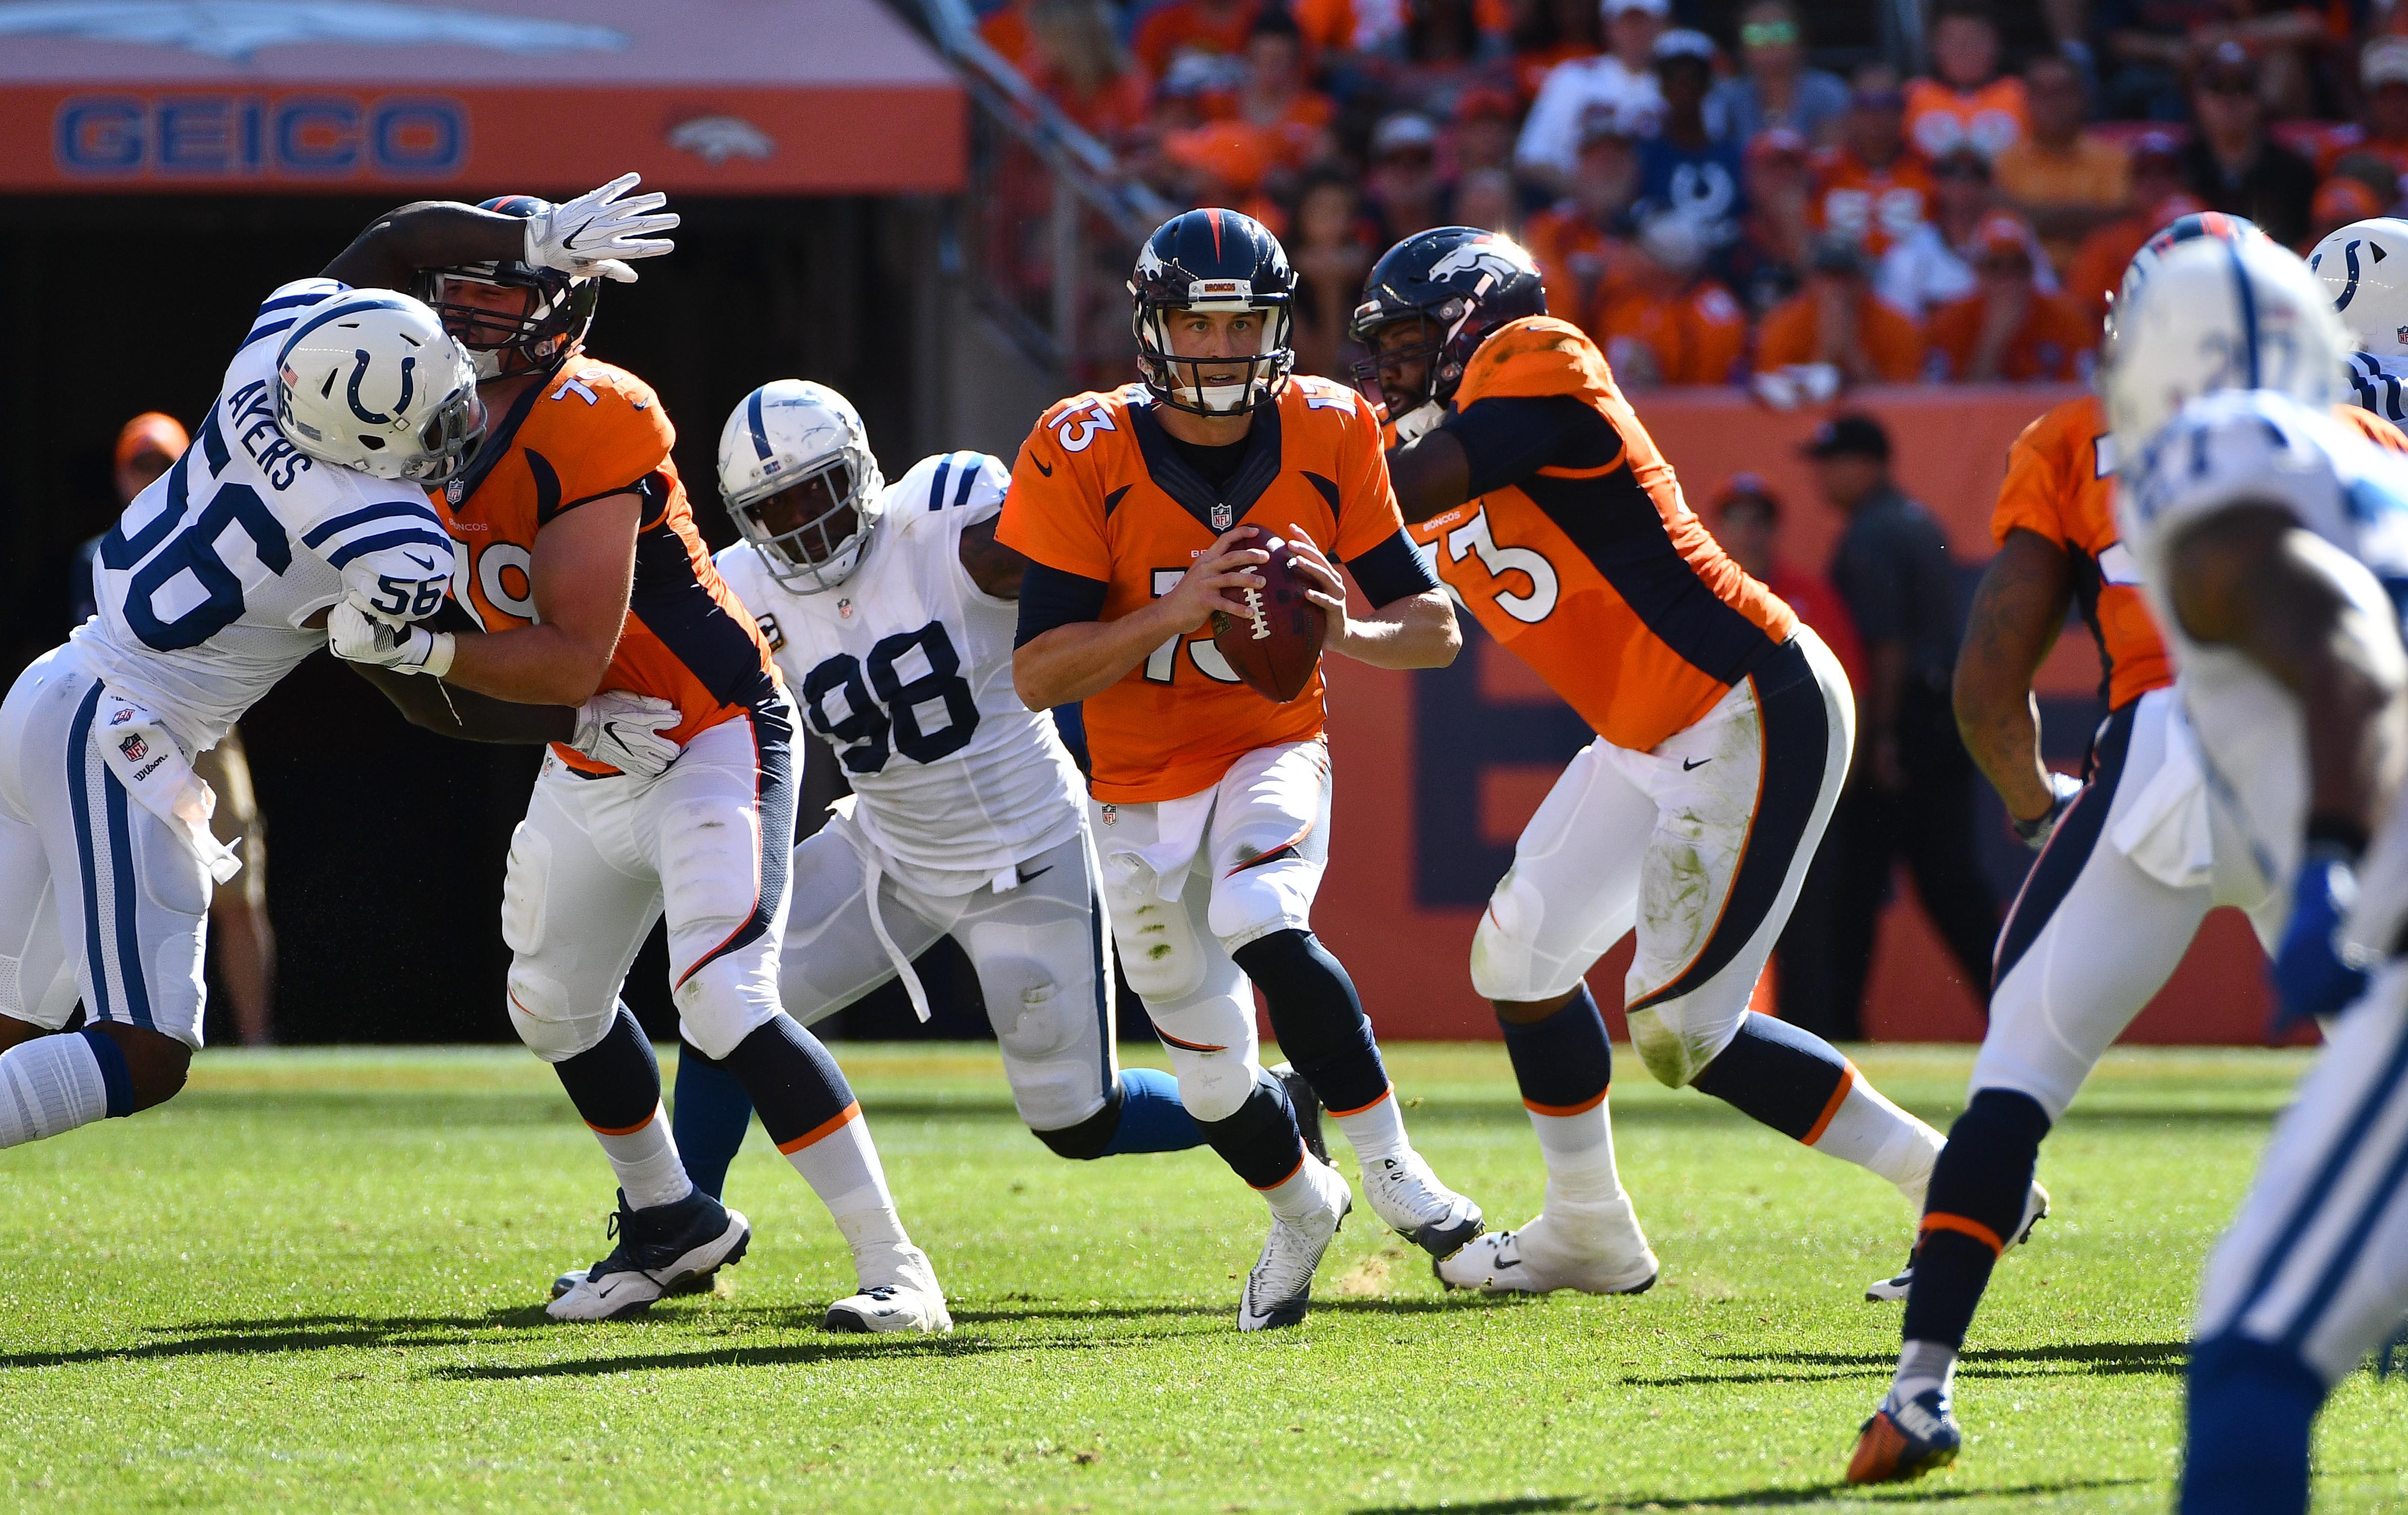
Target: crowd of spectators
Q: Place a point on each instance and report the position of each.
(1707, 202)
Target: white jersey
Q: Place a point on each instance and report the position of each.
(203, 584)
(2374, 384)
(2253, 447)
(906, 669)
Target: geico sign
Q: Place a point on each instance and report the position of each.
(237, 135)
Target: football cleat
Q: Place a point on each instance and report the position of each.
(658, 1247)
(693, 1283)
(1885, 1291)
(1596, 1249)
(1307, 1107)
(1408, 1197)
(906, 1297)
(1903, 1442)
(1279, 1291)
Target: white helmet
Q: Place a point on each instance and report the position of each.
(2214, 224)
(371, 381)
(788, 434)
(2219, 315)
(2364, 270)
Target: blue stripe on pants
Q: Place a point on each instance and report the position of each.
(128, 900)
(77, 755)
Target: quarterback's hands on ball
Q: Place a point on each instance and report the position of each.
(1325, 590)
(2312, 975)
(594, 233)
(628, 730)
(2063, 789)
(1207, 585)
(356, 636)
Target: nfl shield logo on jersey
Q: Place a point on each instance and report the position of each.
(135, 749)
(1223, 517)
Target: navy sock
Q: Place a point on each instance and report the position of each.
(1152, 1119)
(1787, 1077)
(1975, 1204)
(116, 1078)
(1260, 1142)
(1317, 1018)
(2252, 1407)
(790, 1079)
(1565, 1061)
(615, 1083)
(708, 1118)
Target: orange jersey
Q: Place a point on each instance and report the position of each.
(1875, 205)
(1939, 119)
(1600, 578)
(587, 432)
(1102, 492)
(2374, 427)
(1792, 333)
(2052, 343)
(1695, 336)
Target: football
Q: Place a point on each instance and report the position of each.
(1276, 644)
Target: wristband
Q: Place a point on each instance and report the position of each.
(438, 655)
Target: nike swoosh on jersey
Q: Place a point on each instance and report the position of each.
(1026, 874)
(1042, 468)
(1687, 765)
(428, 563)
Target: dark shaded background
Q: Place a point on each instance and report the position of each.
(386, 843)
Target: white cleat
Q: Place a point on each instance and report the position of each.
(1596, 1249)
(1408, 1197)
(658, 1249)
(1885, 1291)
(1279, 1291)
(904, 1297)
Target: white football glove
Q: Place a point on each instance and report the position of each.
(591, 234)
(356, 636)
(2063, 789)
(628, 730)
(1418, 421)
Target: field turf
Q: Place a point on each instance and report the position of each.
(311, 1284)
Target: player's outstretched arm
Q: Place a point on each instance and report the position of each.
(1413, 631)
(583, 571)
(591, 237)
(467, 715)
(1065, 663)
(2017, 612)
(425, 233)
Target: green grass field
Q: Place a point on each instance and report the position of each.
(311, 1284)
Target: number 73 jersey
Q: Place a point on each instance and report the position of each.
(906, 669)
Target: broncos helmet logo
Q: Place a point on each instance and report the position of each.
(1494, 256)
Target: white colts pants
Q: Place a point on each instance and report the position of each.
(1700, 844)
(597, 861)
(1190, 880)
(2108, 911)
(1038, 949)
(98, 899)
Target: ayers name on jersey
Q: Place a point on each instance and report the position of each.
(587, 432)
(1102, 492)
(203, 583)
(906, 669)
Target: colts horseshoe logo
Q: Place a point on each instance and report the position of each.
(351, 390)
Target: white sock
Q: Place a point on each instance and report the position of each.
(49, 1086)
(1579, 1150)
(1296, 1199)
(1871, 1132)
(1923, 1364)
(1375, 1131)
(840, 1164)
(646, 1160)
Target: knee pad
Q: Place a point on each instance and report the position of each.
(553, 1028)
(1503, 962)
(1670, 1060)
(711, 872)
(1258, 900)
(524, 884)
(1161, 956)
(727, 999)
(1213, 1086)
(1031, 1014)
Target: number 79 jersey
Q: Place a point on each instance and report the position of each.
(203, 584)
(906, 669)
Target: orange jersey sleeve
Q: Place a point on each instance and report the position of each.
(2034, 493)
(1054, 514)
(622, 440)
(2373, 427)
(1367, 501)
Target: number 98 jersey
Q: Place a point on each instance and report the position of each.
(905, 668)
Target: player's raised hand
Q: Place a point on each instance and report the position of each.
(594, 233)
(1212, 580)
(356, 636)
(1325, 590)
(628, 730)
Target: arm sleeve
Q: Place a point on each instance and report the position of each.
(1391, 571)
(1508, 438)
(622, 444)
(1050, 597)
(2034, 484)
(1367, 503)
(1048, 518)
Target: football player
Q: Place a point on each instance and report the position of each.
(2364, 269)
(1141, 512)
(579, 565)
(1724, 730)
(302, 495)
(2126, 871)
(890, 609)
(2269, 539)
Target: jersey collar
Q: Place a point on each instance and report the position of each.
(495, 446)
(1172, 475)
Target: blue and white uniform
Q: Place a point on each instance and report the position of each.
(2314, 1270)
(2376, 384)
(204, 587)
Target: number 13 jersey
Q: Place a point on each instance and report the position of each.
(906, 669)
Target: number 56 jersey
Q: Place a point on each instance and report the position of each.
(906, 669)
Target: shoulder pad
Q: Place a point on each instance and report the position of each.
(1534, 356)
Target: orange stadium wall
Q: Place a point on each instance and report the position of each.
(1437, 771)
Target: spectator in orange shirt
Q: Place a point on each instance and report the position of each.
(2338, 202)
(2008, 329)
(1838, 319)
(1216, 27)
(2155, 197)
(1275, 97)
(1968, 102)
(1871, 187)
(2383, 129)
(1225, 163)
(1669, 323)
(1580, 243)
(1766, 264)
(1006, 29)
(1074, 56)
(1406, 193)
(2066, 181)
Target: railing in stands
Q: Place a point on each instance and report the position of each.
(1052, 223)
